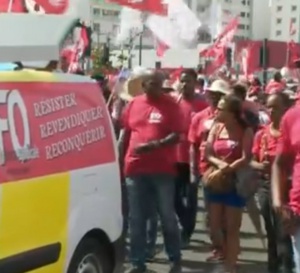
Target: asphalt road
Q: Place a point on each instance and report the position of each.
(251, 260)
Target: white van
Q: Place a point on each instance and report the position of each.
(60, 188)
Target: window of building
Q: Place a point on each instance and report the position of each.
(204, 38)
(243, 14)
(228, 1)
(294, 20)
(226, 12)
(243, 2)
(96, 11)
(241, 26)
(294, 8)
(189, 3)
(278, 32)
(247, 27)
(279, 8)
(96, 27)
(236, 38)
(248, 15)
(109, 12)
(279, 20)
(115, 29)
(200, 8)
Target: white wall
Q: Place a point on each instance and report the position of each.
(261, 20)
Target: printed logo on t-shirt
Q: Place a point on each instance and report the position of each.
(155, 117)
(208, 124)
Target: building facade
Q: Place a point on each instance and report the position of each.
(254, 16)
(284, 15)
(105, 24)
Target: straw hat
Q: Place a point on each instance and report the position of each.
(167, 86)
(219, 86)
(133, 87)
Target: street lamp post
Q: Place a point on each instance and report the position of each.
(132, 39)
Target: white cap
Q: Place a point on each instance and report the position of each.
(219, 86)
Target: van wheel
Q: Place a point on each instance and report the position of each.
(90, 257)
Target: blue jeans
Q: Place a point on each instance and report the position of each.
(186, 199)
(296, 249)
(147, 194)
(151, 223)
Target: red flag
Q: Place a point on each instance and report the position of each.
(160, 47)
(292, 28)
(151, 6)
(52, 6)
(292, 50)
(76, 52)
(174, 76)
(217, 50)
(35, 6)
(246, 60)
(222, 40)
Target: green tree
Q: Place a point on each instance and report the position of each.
(97, 57)
(101, 59)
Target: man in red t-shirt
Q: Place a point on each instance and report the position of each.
(186, 197)
(288, 155)
(152, 128)
(264, 151)
(276, 84)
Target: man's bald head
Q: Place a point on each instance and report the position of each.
(152, 83)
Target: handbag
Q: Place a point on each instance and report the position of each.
(225, 183)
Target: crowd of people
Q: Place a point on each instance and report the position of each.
(232, 139)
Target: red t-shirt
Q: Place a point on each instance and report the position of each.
(147, 121)
(188, 109)
(265, 145)
(289, 143)
(198, 133)
(274, 87)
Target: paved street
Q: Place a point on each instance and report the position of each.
(252, 259)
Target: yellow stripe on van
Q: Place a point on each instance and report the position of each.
(33, 214)
(28, 75)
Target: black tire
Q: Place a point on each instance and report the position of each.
(100, 256)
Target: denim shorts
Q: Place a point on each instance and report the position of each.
(231, 199)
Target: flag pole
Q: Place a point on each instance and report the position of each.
(141, 48)
(288, 53)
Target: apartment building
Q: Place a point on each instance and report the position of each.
(254, 16)
(285, 13)
(105, 23)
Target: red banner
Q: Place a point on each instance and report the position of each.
(48, 128)
(151, 6)
(35, 6)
